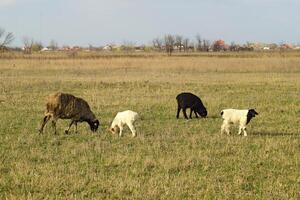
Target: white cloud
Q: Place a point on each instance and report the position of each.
(7, 2)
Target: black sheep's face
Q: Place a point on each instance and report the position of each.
(94, 125)
(202, 112)
(252, 113)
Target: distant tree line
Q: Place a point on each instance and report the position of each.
(168, 43)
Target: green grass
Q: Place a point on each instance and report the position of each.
(170, 158)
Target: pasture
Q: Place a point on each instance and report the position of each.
(170, 158)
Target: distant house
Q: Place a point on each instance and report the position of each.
(107, 48)
(178, 47)
(256, 45)
(219, 45)
(266, 48)
(297, 47)
(65, 48)
(26, 49)
(139, 48)
(46, 49)
(76, 48)
(285, 46)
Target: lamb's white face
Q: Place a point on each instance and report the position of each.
(114, 129)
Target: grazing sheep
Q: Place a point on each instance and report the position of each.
(67, 106)
(188, 100)
(127, 117)
(234, 116)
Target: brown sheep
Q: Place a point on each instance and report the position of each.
(67, 106)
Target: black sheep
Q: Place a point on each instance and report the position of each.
(188, 100)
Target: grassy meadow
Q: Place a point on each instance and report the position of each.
(170, 158)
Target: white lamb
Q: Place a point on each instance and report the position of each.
(235, 116)
(127, 117)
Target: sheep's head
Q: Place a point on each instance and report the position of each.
(202, 112)
(94, 125)
(114, 129)
(252, 112)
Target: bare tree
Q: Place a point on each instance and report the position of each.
(235, 47)
(186, 43)
(5, 39)
(199, 46)
(127, 46)
(191, 46)
(37, 46)
(206, 45)
(169, 43)
(53, 45)
(157, 43)
(28, 43)
(178, 42)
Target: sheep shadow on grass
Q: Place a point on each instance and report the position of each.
(214, 117)
(274, 134)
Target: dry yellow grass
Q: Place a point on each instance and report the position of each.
(170, 158)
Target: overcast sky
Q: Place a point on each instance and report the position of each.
(99, 22)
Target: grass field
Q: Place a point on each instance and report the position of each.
(170, 158)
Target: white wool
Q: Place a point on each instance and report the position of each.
(127, 117)
(234, 116)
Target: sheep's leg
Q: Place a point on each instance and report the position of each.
(225, 128)
(45, 120)
(54, 125)
(121, 130)
(244, 129)
(133, 131)
(75, 127)
(240, 130)
(184, 113)
(178, 111)
(67, 130)
(196, 114)
(191, 113)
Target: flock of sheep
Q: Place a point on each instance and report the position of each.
(67, 106)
